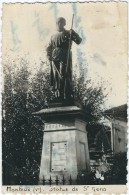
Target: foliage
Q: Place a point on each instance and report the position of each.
(40, 91)
(22, 135)
(91, 98)
(104, 173)
(24, 94)
(120, 168)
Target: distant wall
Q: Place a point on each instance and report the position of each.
(120, 136)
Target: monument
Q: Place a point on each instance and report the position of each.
(65, 146)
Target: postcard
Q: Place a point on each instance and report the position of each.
(64, 97)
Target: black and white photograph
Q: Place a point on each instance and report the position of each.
(64, 94)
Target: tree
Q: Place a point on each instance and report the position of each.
(90, 98)
(20, 129)
(119, 169)
(40, 92)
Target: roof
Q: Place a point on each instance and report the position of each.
(119, 112)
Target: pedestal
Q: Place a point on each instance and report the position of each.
(65, 146)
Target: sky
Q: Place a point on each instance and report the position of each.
(102, 55)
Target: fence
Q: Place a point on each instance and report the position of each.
(57, 181)
(83, 179)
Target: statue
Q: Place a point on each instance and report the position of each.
(60, 57)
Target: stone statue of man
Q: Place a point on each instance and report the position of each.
(59, 55)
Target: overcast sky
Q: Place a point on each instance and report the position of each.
(27, 29)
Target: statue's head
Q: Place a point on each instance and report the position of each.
(61, 22)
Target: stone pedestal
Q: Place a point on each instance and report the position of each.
(65, 146)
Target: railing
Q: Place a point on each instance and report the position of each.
(57, 181)
(83, 179)
(63, 180)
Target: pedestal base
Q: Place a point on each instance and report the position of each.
(65, 146)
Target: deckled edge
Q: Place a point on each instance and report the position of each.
(0, 98)
(1, 75)
(61, 1)
(128, 106)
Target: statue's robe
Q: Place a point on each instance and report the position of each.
(59, 54)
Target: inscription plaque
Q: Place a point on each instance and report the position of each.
(58, 156)
(58, 126)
